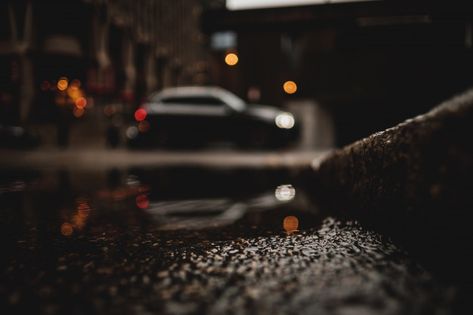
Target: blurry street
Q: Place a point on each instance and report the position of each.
(220, 231)
(265, 157)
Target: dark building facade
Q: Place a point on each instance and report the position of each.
(371, 64)
(116, 50)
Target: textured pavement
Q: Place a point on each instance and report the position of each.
(338, 268)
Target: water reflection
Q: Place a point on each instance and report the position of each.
(142, 201)
(291, 224)
(67, 229)
(285, 192)
(79, 218)
(222, 203)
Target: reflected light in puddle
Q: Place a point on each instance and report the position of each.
(285, 192)
(83, 210)
(142, 201)
(66, 229)
(290, 224)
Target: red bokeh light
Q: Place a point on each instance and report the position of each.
(81, 102)
(142, 201)
(140, 114)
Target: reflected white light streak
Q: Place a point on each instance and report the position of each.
(285, 193)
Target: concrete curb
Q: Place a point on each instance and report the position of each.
(412, 182)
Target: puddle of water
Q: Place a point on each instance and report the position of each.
(189, 241)
(180, 203)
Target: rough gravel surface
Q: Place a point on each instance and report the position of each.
(338, 268)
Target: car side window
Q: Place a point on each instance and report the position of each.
(193, 100)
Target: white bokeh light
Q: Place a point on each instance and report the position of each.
(131, 132)
(285, 192)
(285, 121)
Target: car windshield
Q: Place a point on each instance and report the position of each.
(232, 100)
(200, 96)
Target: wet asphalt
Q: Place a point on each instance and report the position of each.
(193, 241)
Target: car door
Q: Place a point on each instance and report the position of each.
(196, 118)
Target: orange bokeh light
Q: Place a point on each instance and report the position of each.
(231, 59)
(290, 224)
(67, 229)
(62, 84)
(73, 92)
(81, 102)
(290, 87)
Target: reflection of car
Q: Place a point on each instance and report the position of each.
(197, 115)
(195, 214)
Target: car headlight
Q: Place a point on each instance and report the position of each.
(285, 121)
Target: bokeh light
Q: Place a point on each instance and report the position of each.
(290, 224)
(140, 114)
(67, 229)
(143, 126)
(81, 102)
(74, 92)
(78, 112)
(62, 84)
(131, 132)
(285, 192)
(285, 120)
(290, 87)
(142, 201)
(231, 59)
(79, 220)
